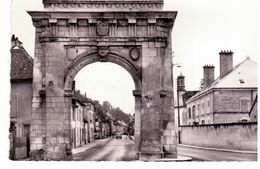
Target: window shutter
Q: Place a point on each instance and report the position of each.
(14, 106)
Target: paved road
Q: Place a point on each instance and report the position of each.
(112, 150)
(211, 155)
(123, 150)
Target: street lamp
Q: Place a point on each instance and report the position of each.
(178, 104)
(180, 87)
(178, 65)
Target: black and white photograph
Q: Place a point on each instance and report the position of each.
(132, 81)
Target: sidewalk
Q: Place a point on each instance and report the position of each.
(89, 145)
(219, 149)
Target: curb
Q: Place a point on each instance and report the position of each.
(178, 159)
(94, 145)
(218, 149)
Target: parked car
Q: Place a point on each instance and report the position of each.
(132, 137)
(118, 136)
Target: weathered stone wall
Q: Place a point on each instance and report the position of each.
(21, 102)
(50, 131)
(234, 136)
(68, 41)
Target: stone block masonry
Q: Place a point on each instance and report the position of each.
(68, 40)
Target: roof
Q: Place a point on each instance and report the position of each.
(243, 75)
(188, 95)
(81, 98)
(21, 64)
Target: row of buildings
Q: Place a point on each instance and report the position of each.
(230, 98)
(89, 119)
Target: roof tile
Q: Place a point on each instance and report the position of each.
(21, 64)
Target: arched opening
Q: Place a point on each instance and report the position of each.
(109, 88)
(107, 82)
(92, 57)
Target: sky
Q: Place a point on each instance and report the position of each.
(202, 29)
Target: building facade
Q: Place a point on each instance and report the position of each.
(77, 121)
(180, 101)
(89, 119)
(21, 100)
(227, 99)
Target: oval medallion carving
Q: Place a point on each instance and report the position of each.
(102, 28)
(134, 53)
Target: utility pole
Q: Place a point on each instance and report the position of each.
(180, 87)
(178, 107)
(178, 118)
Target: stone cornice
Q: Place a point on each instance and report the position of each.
(160, 18)
(128, 5)
(101, 1)
(122, 41)
(104, 14)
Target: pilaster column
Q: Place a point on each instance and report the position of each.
(138, 106)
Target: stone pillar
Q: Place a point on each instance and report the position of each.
(169, 136)
(57, 106)
(158, 134)
(138, 107)
(151, 106)
(38, 126)
(50, 133)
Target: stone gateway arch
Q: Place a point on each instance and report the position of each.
(71, 34)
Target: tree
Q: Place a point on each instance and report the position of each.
(118, 114)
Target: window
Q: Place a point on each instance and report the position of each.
(193, 111)
(202, 121)
(79, 114)
(244, 106)
(189, 112)
(241, 81)
(73, 114)
(198, 110)
(14, 106)
(26, 130)
(202, 107)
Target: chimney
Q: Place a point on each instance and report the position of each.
(226, 62)
(208, 75)
(181, 83)
(15, 42)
